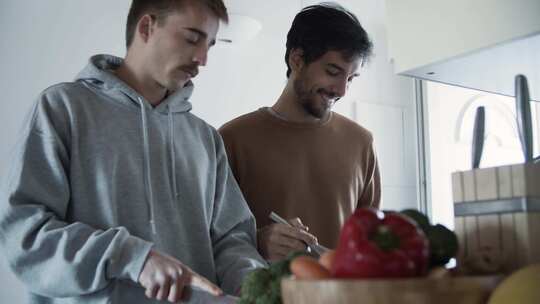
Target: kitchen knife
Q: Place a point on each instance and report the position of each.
(196, 295)
(478, 136)
(523, 107)
(319, 249)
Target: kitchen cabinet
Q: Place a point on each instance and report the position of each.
(480, 44)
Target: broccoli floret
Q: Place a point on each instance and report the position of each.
(419, 218)
(263, 286)
(275, 288)
(443, 245)
(244, 301)
(269, 298)
(259, 287)
(255, 284)
(281, 268)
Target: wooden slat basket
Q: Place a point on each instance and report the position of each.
(497, 218)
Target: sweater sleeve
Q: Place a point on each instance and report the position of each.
(233, 229)
(370, 195)
(52, 256)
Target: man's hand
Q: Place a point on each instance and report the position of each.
(277, 240)
(164, 278)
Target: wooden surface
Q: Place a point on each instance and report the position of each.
(462, 290)
(497, 243)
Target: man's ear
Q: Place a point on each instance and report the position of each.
(296, 59)
(145, 27)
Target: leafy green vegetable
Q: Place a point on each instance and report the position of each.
(263, 286)
(421, 219)
(443, 242)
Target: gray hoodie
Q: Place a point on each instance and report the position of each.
(99, 177)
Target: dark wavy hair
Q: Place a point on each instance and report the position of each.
(162, 8)
(324, 27)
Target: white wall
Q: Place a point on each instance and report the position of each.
(45, 42)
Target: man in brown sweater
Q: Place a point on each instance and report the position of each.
(298, 158)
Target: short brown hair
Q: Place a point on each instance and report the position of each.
(162, 8)
(324, 27)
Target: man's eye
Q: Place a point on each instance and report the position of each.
(192, 39)
(332, 73)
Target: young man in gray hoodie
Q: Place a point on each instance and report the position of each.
(118, 194)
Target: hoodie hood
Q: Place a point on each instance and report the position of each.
(97, 73)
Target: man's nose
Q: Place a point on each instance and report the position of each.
(201, 55)
(340, 88)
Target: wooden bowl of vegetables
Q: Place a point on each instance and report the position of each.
(385, 258)
(451, 290)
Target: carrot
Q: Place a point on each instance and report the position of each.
(305, 267)
(327, 259)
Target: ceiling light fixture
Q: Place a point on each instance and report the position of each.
(241, 28)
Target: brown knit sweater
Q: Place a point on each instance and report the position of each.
(319, 172)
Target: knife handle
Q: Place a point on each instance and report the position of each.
(523, 109)
(478, 136)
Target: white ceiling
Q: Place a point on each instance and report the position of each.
(276, 15)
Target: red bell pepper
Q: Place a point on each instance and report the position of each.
(374, 244)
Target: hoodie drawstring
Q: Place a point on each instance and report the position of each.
(147, 175)
(172, 152)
